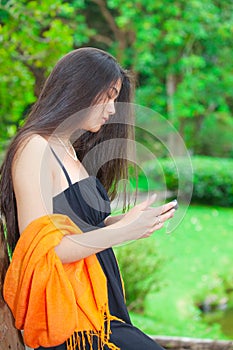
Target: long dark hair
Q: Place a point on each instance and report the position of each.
(77, 80)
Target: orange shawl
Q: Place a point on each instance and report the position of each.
(52, 301)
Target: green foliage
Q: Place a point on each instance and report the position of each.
(32, 38)
(196, 268)
(215, 136)
(180, 52)
(213, 181)
(212, 178)
(140, 273)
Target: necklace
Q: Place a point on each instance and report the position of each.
(67, 148)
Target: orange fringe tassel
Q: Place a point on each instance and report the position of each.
(78, 339)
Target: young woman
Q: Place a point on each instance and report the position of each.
(59, 175)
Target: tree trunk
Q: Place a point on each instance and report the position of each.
(10, 337)
(175, 143)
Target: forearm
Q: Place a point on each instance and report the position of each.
(112, 219)
(79, 246)
(140, 221)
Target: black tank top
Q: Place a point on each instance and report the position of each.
(86, 202)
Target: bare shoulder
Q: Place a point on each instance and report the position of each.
(36, 140)
(32, 150)
(33, 158)
(32, 180)
(34, 143)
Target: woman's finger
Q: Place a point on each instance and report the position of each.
(167, 207)
(161, 219)
(149, 201)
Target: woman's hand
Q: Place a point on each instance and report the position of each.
(142, 220)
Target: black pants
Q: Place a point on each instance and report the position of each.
(125, 336)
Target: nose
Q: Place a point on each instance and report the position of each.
(111, 108)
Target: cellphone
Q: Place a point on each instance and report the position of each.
(175, 207)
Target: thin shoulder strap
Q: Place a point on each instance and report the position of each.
(62, 166)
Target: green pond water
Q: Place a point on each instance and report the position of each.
(224, 318)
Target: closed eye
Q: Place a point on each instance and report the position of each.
(113, 93)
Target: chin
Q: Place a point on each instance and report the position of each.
(95, 128)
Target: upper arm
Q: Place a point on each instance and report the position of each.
(32, 181)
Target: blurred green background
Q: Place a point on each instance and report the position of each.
(181, 53)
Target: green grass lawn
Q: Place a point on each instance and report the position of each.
(196, 267)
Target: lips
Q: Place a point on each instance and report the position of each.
(105, 120)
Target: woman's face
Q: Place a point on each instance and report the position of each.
(104, 108)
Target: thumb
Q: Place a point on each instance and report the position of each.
(148, 201)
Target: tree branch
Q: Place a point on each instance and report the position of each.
(103, 39)
(108, 16)
(38, 72)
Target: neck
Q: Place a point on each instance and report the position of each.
(64, 139)
(65, 142)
